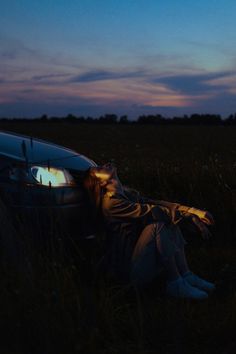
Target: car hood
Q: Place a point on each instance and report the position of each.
(23, 148)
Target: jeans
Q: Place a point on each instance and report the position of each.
(156, 243)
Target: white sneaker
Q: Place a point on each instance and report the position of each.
(198, 282)
(181, 288)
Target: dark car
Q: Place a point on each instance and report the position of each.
(41, 182)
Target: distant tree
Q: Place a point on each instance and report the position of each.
(71, 118)
(150, 119)
(124, 119)
(158, 119)
(90, 120)
(205, 119)
(55, 119)
(44, 118)
(231, 120)
(178, 120)
(108, 118)
(81, 119)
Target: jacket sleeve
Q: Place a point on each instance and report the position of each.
(176, 211)
(120, 207)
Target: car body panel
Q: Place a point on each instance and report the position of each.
(67, 205)
(36, 151)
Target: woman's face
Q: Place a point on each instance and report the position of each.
(105, 172)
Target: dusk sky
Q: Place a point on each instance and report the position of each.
(92, 57)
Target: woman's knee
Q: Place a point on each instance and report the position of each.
(146, 268)
(146, 237)
(169, 240)
(178, 236)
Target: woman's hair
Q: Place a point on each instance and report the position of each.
(94, 193)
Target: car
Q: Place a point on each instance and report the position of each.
(41, 185)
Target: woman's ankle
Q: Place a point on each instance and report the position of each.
(186, 273)
(174, 279)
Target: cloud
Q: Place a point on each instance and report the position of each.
(193, 84)
(217, 47)
(34, 103)
(49, 76)
(22, 62)
(224, 103)
(53, 86)
(61, 106)
(12, 48)
(101, 75)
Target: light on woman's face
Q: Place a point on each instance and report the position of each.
(104, 176)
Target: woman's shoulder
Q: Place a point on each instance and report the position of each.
(112, 201)
(132, 193)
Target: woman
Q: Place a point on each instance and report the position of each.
(143, 236)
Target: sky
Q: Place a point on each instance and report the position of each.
(134, 57)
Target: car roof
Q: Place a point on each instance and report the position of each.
(37, 151)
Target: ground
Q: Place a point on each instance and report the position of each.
(50, 308)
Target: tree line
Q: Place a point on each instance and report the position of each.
(194, 119)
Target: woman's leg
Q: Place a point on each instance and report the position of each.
(145, 265)
(171, 269)
(181, 261)
(156, 250)
(182, 264)
(170, 245)
(180, 257)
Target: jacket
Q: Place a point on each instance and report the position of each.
(125, 216)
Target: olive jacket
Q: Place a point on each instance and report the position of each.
(125, 216)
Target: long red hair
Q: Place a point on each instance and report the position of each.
(94, 193)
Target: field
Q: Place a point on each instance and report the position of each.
(51, 308)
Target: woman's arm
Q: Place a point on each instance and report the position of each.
(120, 207)
(122, 202)
(138, 205)
(172, 208)
(179, 211)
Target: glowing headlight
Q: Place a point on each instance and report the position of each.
(51, 176)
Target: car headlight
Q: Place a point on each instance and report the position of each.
(53, 177)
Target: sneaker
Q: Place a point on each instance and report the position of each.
(182, 289)
(198, 282)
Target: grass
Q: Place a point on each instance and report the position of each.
(48, 306)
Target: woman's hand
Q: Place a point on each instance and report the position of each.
(205, 233)
(203, 215)
(207, 218)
